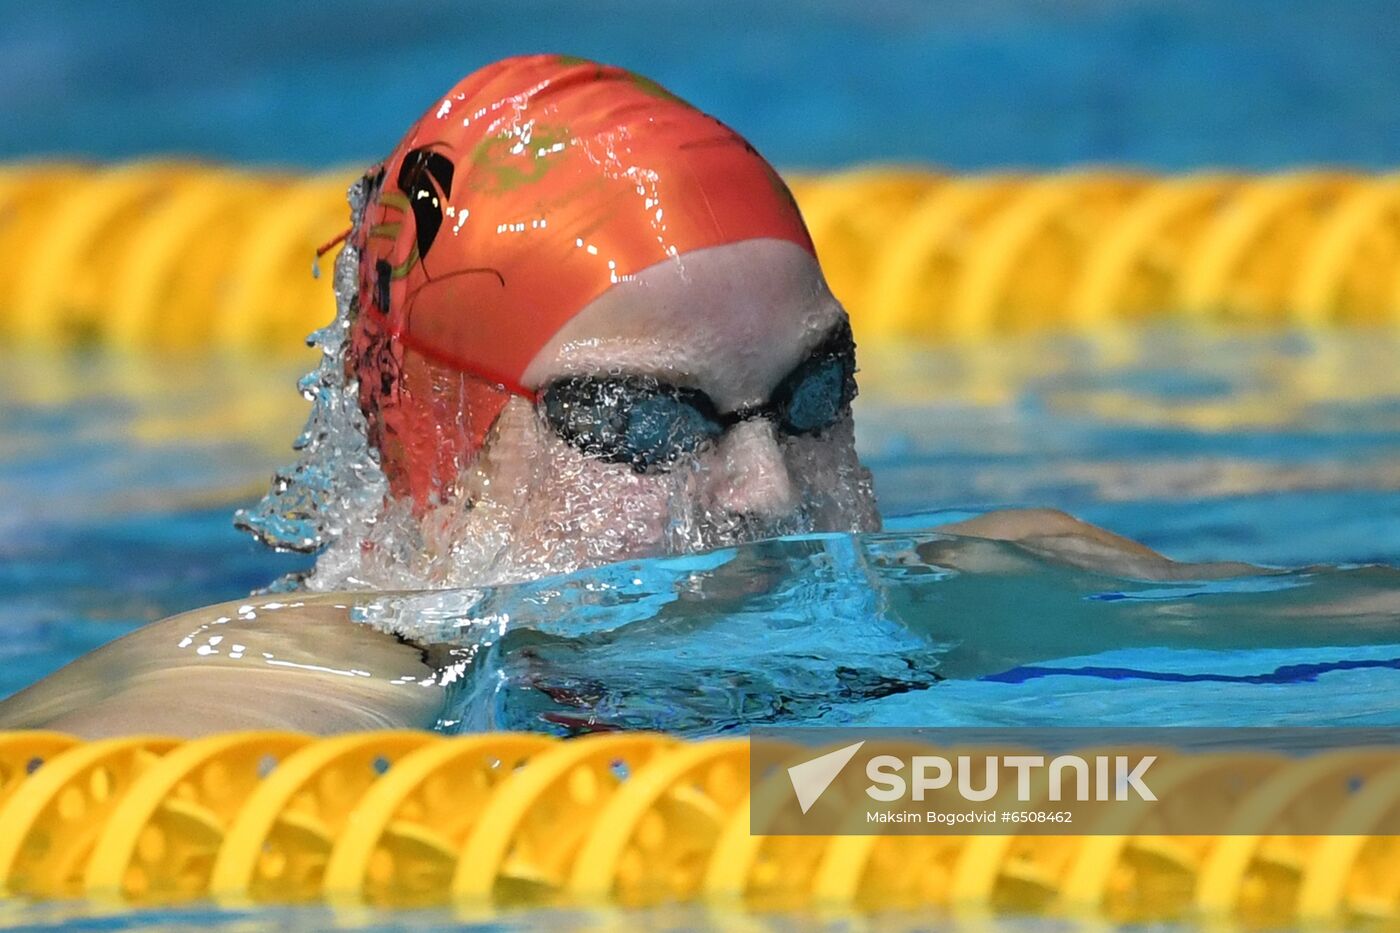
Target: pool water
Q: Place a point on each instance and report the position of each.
(119, 475)
(1171, 84)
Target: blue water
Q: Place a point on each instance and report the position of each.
(1171, 84)
(887, 629)
(119, 477)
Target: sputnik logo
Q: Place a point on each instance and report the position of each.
(811, 778)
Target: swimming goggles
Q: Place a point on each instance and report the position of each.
(649, 423)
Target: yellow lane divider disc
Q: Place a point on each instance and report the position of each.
(1127, 872)
(274, 301)
(874, 873)
(1022, 271)
(169, 291)
(1353, 877)
(63, 292)
(29, 197)
(160, 844)
(1011, 872)
(523, 847)
(753, 872)
(1244, 266)
(1254, 873)
(1266, 276)
(914, 275)
(1131, 271)
(1347, 271)
(893, 872)
(400, 846)
(277, 847)
(851, 216)
(34, 208)
(51, 821)
(655, 836)
(756, 863)
(23, 753)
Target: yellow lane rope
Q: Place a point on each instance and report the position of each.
(504, 820)
(171, 255)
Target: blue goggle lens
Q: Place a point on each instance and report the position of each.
(648, 423)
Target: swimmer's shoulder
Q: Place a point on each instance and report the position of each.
(297, 662)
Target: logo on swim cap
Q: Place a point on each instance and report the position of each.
(497, 166)
(425, 177)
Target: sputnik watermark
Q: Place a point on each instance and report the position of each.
(859, 781)
(934, 772)
(810, 779)
(1108, 777)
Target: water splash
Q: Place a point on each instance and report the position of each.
(335, 489)
(836, 628)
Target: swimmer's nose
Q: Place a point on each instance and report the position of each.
(748, 475)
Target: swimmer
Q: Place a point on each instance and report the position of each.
(585, 322)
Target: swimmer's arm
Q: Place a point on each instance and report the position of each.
(1060, 537)
(298, 664)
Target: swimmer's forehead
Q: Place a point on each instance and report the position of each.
(731, 321)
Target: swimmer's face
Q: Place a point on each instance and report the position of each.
(733, 329)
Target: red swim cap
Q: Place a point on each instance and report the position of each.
(531, 188)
